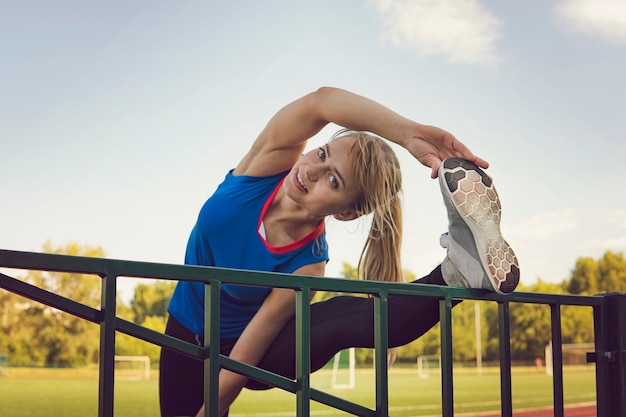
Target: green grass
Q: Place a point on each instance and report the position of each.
(73, 393)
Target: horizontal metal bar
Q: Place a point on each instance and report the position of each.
(612, 356)
(100, 266)
(52, 262)
(258, 374)
(51, 299)
(158, 338)
(341, 404)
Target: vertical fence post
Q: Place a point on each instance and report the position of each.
(106, 373)
(611, 356)
(303, 352)
(557, 360)
(447, 391)
(212, 343)
(504, 328)
(602, 394)
(381, 345)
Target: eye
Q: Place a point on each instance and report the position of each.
(321, 153)
(333, 181)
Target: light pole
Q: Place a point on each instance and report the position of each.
(479, 350)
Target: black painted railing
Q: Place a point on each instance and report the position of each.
(609, 312)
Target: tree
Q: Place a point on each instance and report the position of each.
(10, 309)
(612, 273)
(38, 334)
(607, 274)
(531, 325)
(151, 300)
(148, 308)
(577, 324)
(79, 287)
(584, 278)
(131, 346)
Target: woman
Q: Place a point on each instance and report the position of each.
(269, 213)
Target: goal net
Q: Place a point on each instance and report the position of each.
(573, 354)
(428, 365)
(132, 367)
(344, 370)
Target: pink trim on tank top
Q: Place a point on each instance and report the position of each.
(291, 246)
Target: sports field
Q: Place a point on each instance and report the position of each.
(74, 393)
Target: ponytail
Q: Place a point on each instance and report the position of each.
(380, 258)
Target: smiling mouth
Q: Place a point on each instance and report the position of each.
(299, 178)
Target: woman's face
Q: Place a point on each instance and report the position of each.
(322, 181)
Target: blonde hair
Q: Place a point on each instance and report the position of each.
(379, 180)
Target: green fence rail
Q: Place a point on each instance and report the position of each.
(609, 312)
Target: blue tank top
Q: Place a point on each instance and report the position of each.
(226, 235)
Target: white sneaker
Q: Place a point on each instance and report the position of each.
(478, 256)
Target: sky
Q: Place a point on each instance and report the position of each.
(118, 119)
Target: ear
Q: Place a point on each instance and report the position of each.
(347, 215)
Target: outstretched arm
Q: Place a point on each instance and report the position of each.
(282, 141)
(277, 309)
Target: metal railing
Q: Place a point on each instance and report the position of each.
(609, 311)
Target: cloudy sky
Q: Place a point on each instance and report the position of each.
(119, 118)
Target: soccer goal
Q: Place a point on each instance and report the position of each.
(572, 354)
(428, 365)
(342, 360)
(132, 367)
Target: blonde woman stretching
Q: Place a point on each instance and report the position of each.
(268, 215)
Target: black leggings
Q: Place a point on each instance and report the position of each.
(336, 324)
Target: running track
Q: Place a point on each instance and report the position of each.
(586, 410)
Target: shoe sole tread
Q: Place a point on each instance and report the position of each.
(475, 197)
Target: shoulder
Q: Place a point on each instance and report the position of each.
(263, 160)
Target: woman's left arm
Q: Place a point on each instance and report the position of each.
(277, 309)
(284, 137)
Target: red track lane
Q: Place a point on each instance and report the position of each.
(586, 410)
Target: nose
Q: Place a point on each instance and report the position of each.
(312, 172)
